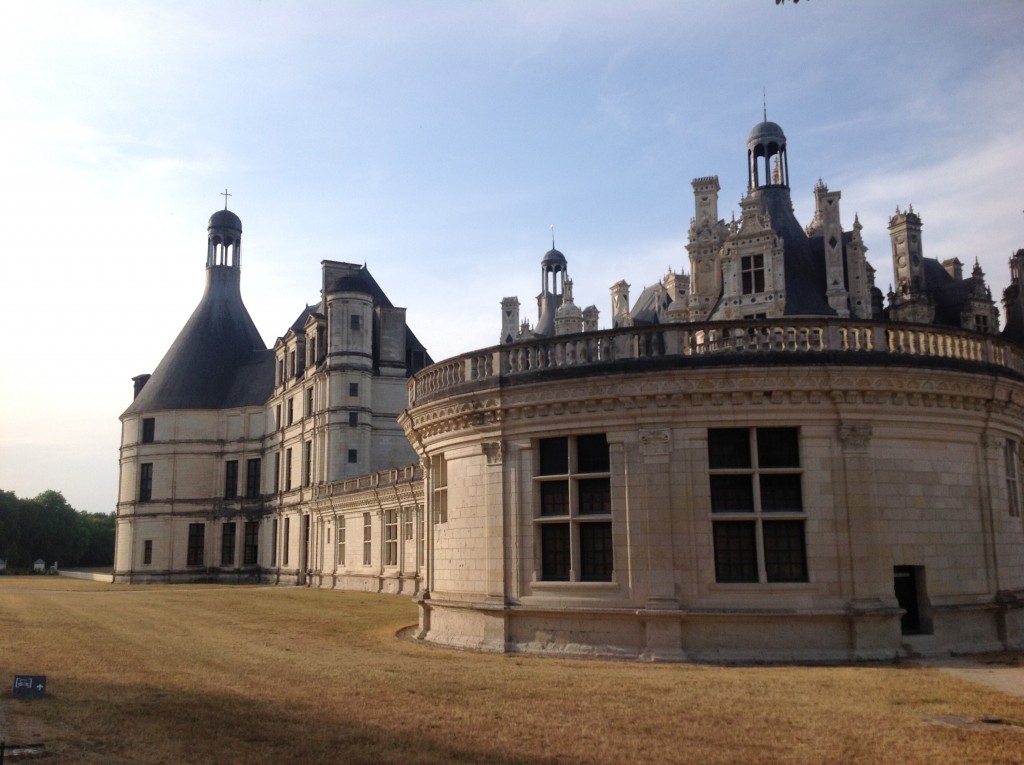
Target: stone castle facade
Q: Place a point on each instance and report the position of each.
(762, 459)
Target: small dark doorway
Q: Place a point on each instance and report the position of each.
(909, 584)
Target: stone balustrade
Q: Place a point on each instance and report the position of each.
(382, 479)
(831, 338)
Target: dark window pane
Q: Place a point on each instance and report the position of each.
(252, 478)
(785, 558)
(735, 551)
(595, 496)
(732, 493)
(230, 479)
(778, 448)
(728, 448)
(554, 552)
(596, 552)
(196, 543)
(781, 493)
(592, 453)
(554, 498)
(251, 545)
(554, 456)
(146, 482)
(148, 430)
(227, 545)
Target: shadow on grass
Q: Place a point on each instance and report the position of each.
(92, 723)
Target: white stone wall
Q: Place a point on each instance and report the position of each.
(899, 467)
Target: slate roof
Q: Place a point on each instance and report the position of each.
(804, 258)
(218, 360)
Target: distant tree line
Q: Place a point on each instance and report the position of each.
(48, 528)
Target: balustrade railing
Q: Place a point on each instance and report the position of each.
(382, 479)
(804, 336)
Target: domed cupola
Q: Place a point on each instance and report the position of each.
(766, 141)
(554, 270)
(224, 232)
(554, 259)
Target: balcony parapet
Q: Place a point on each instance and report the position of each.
(382, 479)
(755, 341)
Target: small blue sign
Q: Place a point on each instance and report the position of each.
(29, 686)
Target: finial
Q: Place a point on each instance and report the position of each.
(552, 236)
(764, 102)
(225, 194)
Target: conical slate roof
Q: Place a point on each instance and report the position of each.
(218, 360)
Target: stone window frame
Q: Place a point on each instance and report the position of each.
(573, 538)
(752, 542)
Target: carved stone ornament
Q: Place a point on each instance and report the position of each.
(655, 442)
(992, 441)
(493, 450)
(855, 437)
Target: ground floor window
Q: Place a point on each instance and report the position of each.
(147, 552)
(367, 539)
(574, 518)
(251, 544)
(227, 544)
(196, 544)
(757, 505)
(341, 540)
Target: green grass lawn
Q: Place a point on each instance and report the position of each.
(207, 674)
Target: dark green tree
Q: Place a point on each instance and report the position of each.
(49, 528)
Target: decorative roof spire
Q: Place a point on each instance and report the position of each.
(225, 194)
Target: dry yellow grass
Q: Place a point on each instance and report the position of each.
(204, 674)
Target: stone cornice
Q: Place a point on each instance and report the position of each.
(673, 392)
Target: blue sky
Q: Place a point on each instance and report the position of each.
(437, 142)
